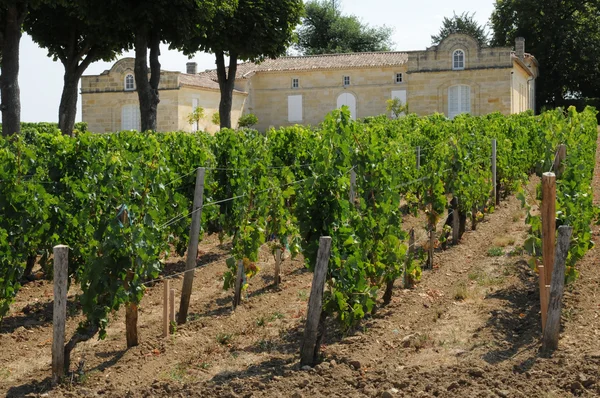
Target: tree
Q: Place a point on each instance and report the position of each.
(152, 22)
(12, 15)
(71, 35)
(325, 30)
(563, 36)
(255, 30)
(464, 23)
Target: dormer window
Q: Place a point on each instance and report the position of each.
(458, 60)
(129, 82)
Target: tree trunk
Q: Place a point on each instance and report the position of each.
(29, 266)
(9, 80)
(67, 110)
(147, 88)
(226, 85)
(68, 102)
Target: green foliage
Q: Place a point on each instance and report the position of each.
(464, 23)
(554, 32)
(216, 118)
(196, 115)
(397, 108)
(325, 30)
(247, 120)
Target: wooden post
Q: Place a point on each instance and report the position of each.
(192, 252)
(550, 339)
(548, 223)
(543, 295)
(431, 248)
(494, 178)
(277, 266)
(409, 257)
(455, 223)
(239, 280)
(59, 315)
(559, 160)
(418, 157)
(166, 308)
(171, 309)
(131, 316)
(352, 187)
(309, 350)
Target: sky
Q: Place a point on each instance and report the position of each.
(41, 78)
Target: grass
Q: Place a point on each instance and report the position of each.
(484, 279)
(262, 321)
(303, 295)
(225, 338)
(503, 241)
(461, 292)
(495, 251)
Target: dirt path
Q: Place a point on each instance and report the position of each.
(471, 328)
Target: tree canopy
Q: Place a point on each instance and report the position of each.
(325, 30)
(69, 33)
(463, 23)
(255, 30)
(564, 37)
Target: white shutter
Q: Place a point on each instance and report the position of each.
(295, 108)
(195, 126)
(453, 104)
(130, 117)
(465, 99)
(401, 95)
(126, 118)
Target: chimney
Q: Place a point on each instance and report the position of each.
(520, 47)
(191, 68)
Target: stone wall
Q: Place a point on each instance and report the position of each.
(268, 98)
(209, 100)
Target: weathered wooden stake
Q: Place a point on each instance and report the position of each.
(352, 187)
(455, 224)
(171, 308)
(474, 218)
(409, 257)
(239, 281)
(192, 252)
(431, 247)
(166, 286)
(548, 223)
(418, 157)
(559, 160)
(131, 316)
(59, 315)
(552, 329)
(309, 352)
(277, 267)
(494, 179)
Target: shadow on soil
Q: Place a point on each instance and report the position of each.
(517, 325)
(34, 387)
(36, 314)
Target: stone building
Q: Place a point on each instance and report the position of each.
(456, 76)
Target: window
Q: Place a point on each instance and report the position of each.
(346, 80)
(458, 60)
(398, 78)
(130, 117)
(195, 123)
(459, 100)
(129, 83)
(295, 83)
(400, 95)
(295, 108)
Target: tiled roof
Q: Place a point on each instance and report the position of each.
(316, 62)
(199, 81)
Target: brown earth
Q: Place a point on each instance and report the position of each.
(471, 328)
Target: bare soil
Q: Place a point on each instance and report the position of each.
(470, 328)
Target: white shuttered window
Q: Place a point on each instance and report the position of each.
(294, 108)
(130, 117)
(459, 100)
